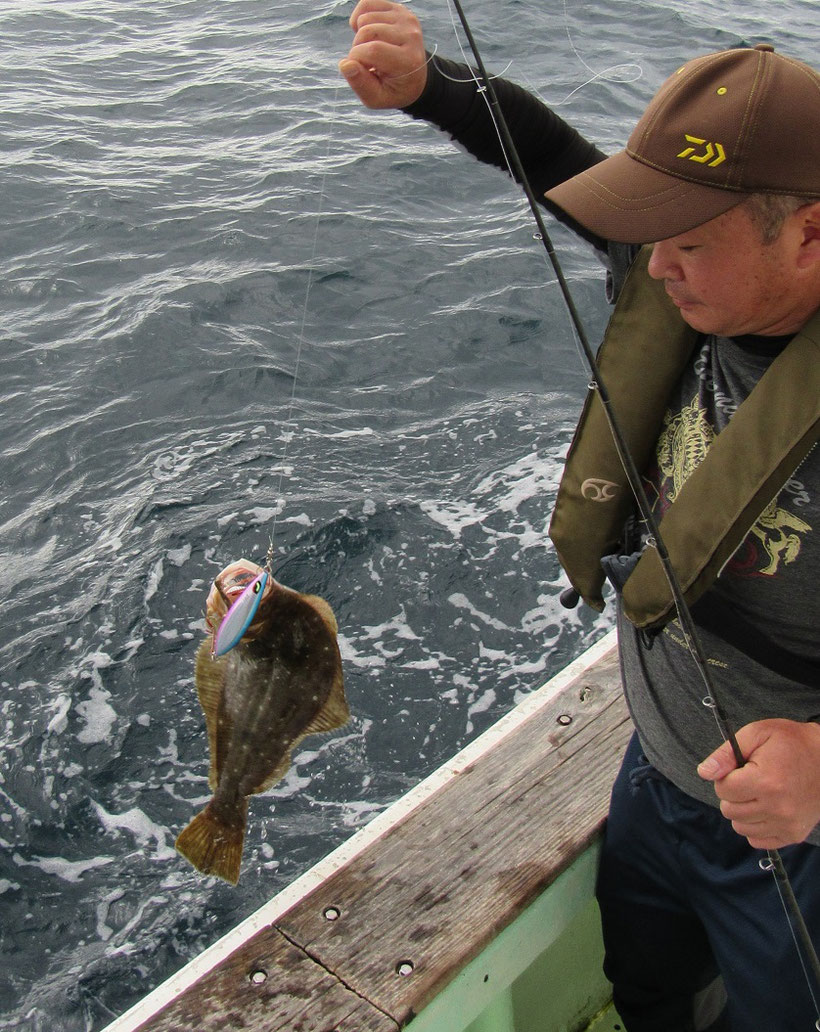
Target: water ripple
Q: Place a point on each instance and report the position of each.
(193, 205)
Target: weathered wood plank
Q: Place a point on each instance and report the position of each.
(270, 986)
(434, 889)
(444, 881)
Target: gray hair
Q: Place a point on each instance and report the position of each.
(770, 211)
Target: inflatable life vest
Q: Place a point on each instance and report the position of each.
(645, 350)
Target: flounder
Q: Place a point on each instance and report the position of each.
(280, 682)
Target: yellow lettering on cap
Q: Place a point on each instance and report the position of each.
(713, 155)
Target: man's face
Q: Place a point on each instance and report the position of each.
(726, 281)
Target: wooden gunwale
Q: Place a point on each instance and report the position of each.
(372, 934)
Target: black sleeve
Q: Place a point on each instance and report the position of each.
(550, 149)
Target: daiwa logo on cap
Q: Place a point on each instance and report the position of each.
(713, 155)
(727, 125)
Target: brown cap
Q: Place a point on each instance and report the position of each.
(722, 127)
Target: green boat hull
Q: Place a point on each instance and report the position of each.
(542, 973)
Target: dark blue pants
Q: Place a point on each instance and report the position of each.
(685, 904)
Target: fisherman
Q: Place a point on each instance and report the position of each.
(714, 352)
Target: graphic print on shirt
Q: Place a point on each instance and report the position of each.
(682, 445)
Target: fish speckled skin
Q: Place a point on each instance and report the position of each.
(282, 681)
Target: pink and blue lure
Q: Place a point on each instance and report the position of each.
(240, 616)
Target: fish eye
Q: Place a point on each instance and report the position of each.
(257, 587)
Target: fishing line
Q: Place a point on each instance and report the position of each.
(480, 87)
(575, 321)
(404, 75)
(470, 78)
(605, 74)
(655, 539)
(789, 903)
(289, 434)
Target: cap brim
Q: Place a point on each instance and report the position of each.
(624, 200)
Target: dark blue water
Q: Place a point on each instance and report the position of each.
(231, 297)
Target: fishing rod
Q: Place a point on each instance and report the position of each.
(624, 454)
(803, 943)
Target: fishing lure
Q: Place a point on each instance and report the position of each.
(239, 617)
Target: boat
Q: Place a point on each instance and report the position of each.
(466, 906)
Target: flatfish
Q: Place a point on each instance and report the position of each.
(281, 681)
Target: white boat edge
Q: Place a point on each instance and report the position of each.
(283, 901)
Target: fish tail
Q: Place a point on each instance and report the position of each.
(213, 845)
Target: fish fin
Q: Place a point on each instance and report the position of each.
(210, 686)
(324, 610)
(212, 846)
(335, 712)
(276, 775)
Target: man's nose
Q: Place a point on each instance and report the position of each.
(661, 264)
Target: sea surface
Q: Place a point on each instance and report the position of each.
(235, 306)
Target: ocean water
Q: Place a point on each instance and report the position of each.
(236, 305)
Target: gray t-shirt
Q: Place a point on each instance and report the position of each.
(760, 621)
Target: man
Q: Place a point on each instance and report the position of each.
(713, 353)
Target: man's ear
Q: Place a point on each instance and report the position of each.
(809, 216)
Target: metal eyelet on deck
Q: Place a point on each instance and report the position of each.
(405, 968)
(258, 977)
(332, 914)
(564, 719)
